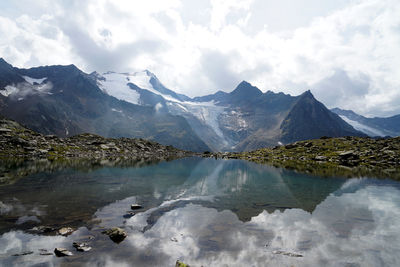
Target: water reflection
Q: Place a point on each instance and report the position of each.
(71, 197)
(351, 229)
(206, 213)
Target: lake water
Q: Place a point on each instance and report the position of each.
(203, 212)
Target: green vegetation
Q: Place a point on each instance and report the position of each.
(345, 156)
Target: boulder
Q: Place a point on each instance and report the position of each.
(65, 231)
(320, 158)
(348, 155)
(129, 214)
(116, 234)
(136, 206)
(62, 252)
(82, 247)
(290, 146)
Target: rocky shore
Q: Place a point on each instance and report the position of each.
(19, 142)
(345, 157)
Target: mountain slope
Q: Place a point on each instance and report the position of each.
(63, 100)
(389, 126)
(68, 102)
(310, 119)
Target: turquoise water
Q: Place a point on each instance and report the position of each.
(204, 212)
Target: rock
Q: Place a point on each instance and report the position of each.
(320, 158)
(129, 214)
(325, 137)
(290, 146)
(23, 253)
(44, 252)
(43, 229)
(5, 130)
(181, 264)
(116, 234)
(136, 207)
(308, 144)
(347, 155)
(173, 239)
(65, 231)
(83, 247)
(62, 252)
(290, 254)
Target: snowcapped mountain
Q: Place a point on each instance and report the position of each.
(65, 101)
(371, 126)
(143, 88)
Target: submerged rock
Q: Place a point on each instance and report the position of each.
(44, 252)
(65, 231)
(136, 206)
(116, 234)
(129, 214)
(82, 247)
(290, 254)
(42, 229)
(23, 253)
(62, 252)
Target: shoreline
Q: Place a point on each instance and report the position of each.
(348, 157)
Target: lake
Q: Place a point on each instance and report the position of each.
(203, 212)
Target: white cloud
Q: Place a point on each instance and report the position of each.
(276, 46)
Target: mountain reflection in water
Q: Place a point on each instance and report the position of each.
(203, 212)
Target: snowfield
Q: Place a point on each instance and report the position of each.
(363, 128)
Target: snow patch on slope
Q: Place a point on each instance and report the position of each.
(116, 85)
(9, 90)
(32, 81)
(142, 80)
(362, 127)
(23, 89)
(206, 112)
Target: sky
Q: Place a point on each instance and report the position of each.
(346, 52)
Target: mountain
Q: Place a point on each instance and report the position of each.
(376, 126)
(310, 119)
(65, 101)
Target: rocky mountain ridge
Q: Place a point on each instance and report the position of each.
(65, 101)
(389, 126)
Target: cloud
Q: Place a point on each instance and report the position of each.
(199, 49)
(355, 226)
(340, 89)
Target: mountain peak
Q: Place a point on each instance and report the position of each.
(307, 94)
(5, 64)
(246, 90)
(149, 73)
